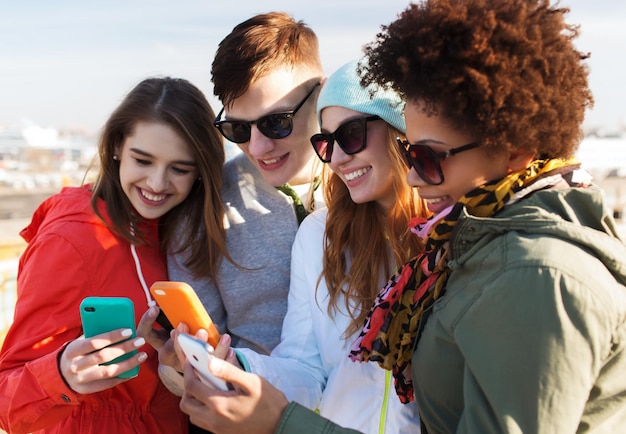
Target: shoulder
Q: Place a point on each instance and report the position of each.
(537, 268)
(312, 229)
(561, 236)
(69, 208)
(241, 179)
(315, 221)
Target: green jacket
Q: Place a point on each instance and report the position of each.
(530, 334)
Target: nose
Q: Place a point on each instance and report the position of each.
(413, 179)
(338, 157)
(158, 180)
(259, 145)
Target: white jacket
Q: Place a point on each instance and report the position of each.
(311, 364)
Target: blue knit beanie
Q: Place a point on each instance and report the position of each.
(343, 88)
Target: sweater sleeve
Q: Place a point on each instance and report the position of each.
(52, 280)
(297, 419)
(295, 365)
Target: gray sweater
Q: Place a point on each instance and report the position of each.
(260, 228)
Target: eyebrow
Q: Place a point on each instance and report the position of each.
(428, 142)
(270, 112)
(276, 110)
(345, 122)
(147, 154)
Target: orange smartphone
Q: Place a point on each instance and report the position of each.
(180, 303)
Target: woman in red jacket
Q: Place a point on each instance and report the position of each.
(160, 162)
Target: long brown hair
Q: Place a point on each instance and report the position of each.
(376, 240)
(196, 224)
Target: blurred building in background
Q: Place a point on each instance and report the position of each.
(36, 162)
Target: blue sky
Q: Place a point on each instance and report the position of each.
(67, 63)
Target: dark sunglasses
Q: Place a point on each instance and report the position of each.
(427, 162)
(351, 136)
(274, 126)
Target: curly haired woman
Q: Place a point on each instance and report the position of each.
(519, 295)
(513, 319)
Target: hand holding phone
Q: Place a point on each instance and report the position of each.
(104, 314)
(180, 303)
(199, 353)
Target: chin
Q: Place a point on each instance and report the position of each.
(361, 199)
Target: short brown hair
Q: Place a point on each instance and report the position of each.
(258, 45)
(505, 70)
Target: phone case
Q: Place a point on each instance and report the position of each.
(180, 303)
(199, 353)
(103, 314)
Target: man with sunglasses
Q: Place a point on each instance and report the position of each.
(267, 74)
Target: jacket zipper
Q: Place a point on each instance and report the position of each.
(383, 411)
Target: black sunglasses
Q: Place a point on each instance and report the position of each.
(427, 162)
(274, 126)
(351, 136)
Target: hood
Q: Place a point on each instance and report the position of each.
(577, 215)
(72, 204)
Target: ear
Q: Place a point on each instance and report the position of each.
(519, 160)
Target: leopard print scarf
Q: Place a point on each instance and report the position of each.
(390, 330)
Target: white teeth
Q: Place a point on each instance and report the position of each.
(435, 200)
(357, 173)
(153, 197)
(272, 161)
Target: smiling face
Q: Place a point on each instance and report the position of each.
(157, 169)
(462, 172)
(279, 160)
(367, 174)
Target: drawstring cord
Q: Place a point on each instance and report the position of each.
(144, 285)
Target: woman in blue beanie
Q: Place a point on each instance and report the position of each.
(341, 256)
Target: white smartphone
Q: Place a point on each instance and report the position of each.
(199, 353)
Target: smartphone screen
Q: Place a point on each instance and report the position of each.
(103, 314)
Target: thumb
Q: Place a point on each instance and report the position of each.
(228, 372)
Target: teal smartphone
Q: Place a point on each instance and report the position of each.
(103, 314)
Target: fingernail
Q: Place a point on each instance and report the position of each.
(180, 328)
(214, 365)
(139, 342)
(225, 339)
(142, 357)
(127, 332)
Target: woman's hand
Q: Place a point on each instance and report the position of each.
(254, 402)
(81, 362)
(170, 353)
(160, 339)
(223, 350)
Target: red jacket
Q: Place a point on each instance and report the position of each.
(71, 255)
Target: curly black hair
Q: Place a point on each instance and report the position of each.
(505, 70)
